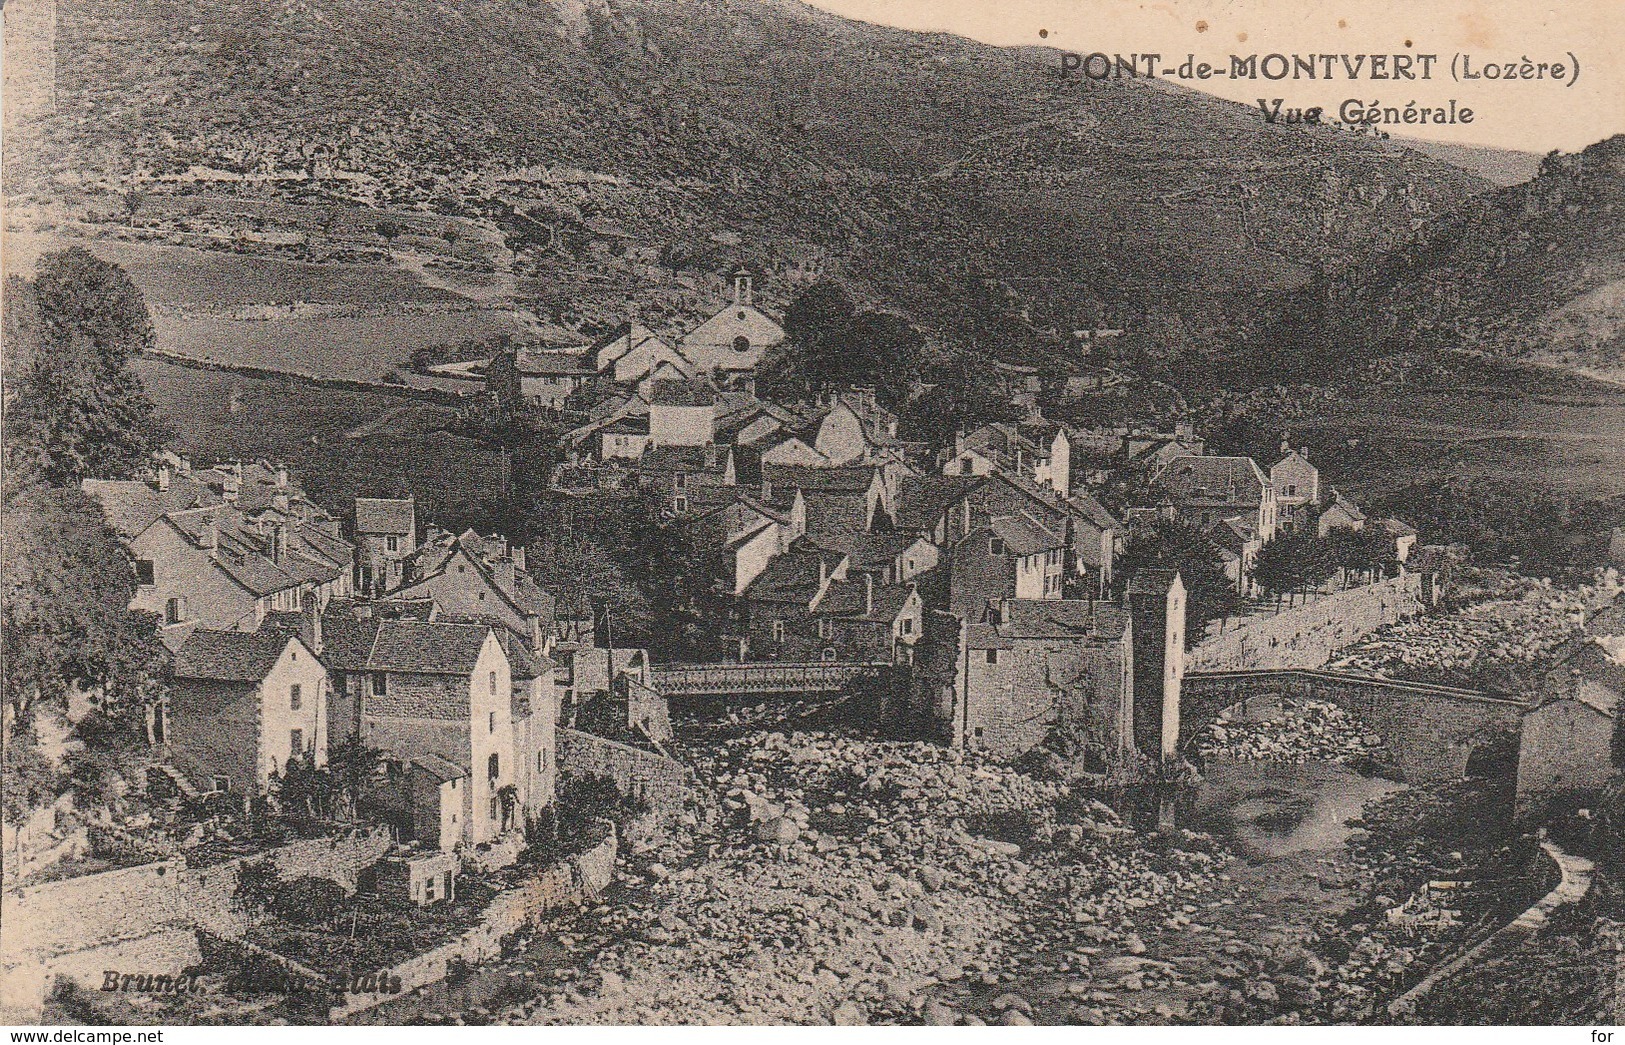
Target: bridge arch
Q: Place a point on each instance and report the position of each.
(1430, 733)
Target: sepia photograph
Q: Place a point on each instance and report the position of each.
(860, 513)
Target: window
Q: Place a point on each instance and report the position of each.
(541, 761)
(492, 766)
(829, 653)
(778, 631)
(172, 611)
(338, 682)
(992, 656)
(428, 889)
(825, 628)
(493, 681)
(143, 571)
(294, 697)
(741, 343)
(491, 722)
(378, 683)
(393, 544)
(296, 743)
(493, 807)
(908, 625)
(220, 783)
(680, 505)
(1291, 489)
(995, 546)
(679, 481)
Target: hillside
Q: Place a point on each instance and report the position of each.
(637, 147)
(1532, 272)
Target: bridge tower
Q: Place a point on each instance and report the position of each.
(1157, 606)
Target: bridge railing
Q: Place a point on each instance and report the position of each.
(1453, 692)
(760, 676)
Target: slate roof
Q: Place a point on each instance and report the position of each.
(870, 551)
(425, 648)
(1152, 581)
(441, 769)
(1024, 535)
(384, 515)
(923, 498)
(848, 599)
(1234, 481)
(1026, 619)
(681, 393)
(230, 656)
(792, 577)
(845, 479)
(133, 505)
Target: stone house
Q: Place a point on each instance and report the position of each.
(222, 547)
(1207, 490)
(467, 575)
(863, 619)
(742, 533)
(1010, 557)
(1339, 513)
(632, 352)
(1566, 743)
(1005, 683)
(1036, 449)
(1297, 488)
(240, 705)
(413, 687)
(680, 474)
(386, 535)
(779, 604)
(534, 376)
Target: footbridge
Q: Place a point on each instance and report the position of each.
(1429, 732)
(762, 678)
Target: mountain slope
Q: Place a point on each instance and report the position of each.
(1533, 272)
(655, 140)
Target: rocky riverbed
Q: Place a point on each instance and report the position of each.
(833, 879)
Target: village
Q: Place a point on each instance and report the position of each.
(931, 678)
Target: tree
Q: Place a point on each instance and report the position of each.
(77, 417)
(1172, 544)
(77, 292)
(582, 575)
(65, 621)
(1292, 562)
(883, 350)
(79, 411)
(818, 316)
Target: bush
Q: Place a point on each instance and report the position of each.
(309, 901)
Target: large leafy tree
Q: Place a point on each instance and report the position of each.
(78, 410)
(65, 622)
(1173, 544)
(832, 344)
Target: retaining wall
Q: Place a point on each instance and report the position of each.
(1307, 637)
(572, 881)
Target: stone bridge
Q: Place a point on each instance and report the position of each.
(1429, 732)
(761, 678)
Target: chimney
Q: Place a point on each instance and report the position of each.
(279, 501)
(282, 477)
(519, 558)
(310, 630)
(868, 594)
(743, 293)
(1286, 445)
(164, 471)
(212, 534)
(279, 542)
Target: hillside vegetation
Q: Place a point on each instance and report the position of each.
(1533, 272)
(640, 146)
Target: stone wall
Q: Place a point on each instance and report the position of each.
(572, 881)
(662, 782)
(142, 919)
(1307, 637)
(1428, 732)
